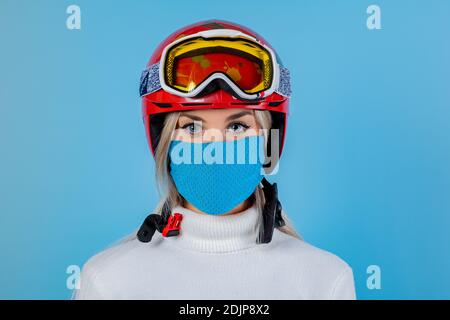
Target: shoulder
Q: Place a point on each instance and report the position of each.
(318, 267)
(103, 273)
(110, 257)
(300, 249)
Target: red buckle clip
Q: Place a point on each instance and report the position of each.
(173, 225)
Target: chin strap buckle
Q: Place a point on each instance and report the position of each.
(168, 225)
(173, 227)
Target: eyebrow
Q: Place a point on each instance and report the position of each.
(193, 117)
(238, 115)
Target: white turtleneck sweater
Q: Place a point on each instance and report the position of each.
(216, 257)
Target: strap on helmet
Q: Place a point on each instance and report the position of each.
(152, 223)
(272, 217)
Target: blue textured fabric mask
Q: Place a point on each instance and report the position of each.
(217, 176)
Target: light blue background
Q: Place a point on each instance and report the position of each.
(366, 168)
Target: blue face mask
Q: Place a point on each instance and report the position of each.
(217, 176)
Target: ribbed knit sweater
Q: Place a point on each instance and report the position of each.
(216, 257)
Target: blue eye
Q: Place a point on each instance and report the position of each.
(237, 127)
(193, 128)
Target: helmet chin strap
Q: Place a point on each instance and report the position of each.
(271, 212)
(154, 222)
(169, 227)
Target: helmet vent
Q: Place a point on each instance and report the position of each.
(274, 103)
(192, 104)
(163, 105)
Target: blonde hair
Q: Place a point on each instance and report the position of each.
(166, 186)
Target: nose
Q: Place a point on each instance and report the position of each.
(213, 134)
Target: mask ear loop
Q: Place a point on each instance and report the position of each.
(155, 222)
(272, 217)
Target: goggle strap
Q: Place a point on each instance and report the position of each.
(149, 82)
(284, 87)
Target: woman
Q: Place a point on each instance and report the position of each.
(210, 94)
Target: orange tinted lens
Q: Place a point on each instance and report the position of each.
(189, 72)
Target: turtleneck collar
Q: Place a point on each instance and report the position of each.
(217, 233)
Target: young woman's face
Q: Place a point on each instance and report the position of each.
(216, 125)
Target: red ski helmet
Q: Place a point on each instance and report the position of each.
(213, 64)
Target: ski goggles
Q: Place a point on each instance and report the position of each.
(190, 64)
